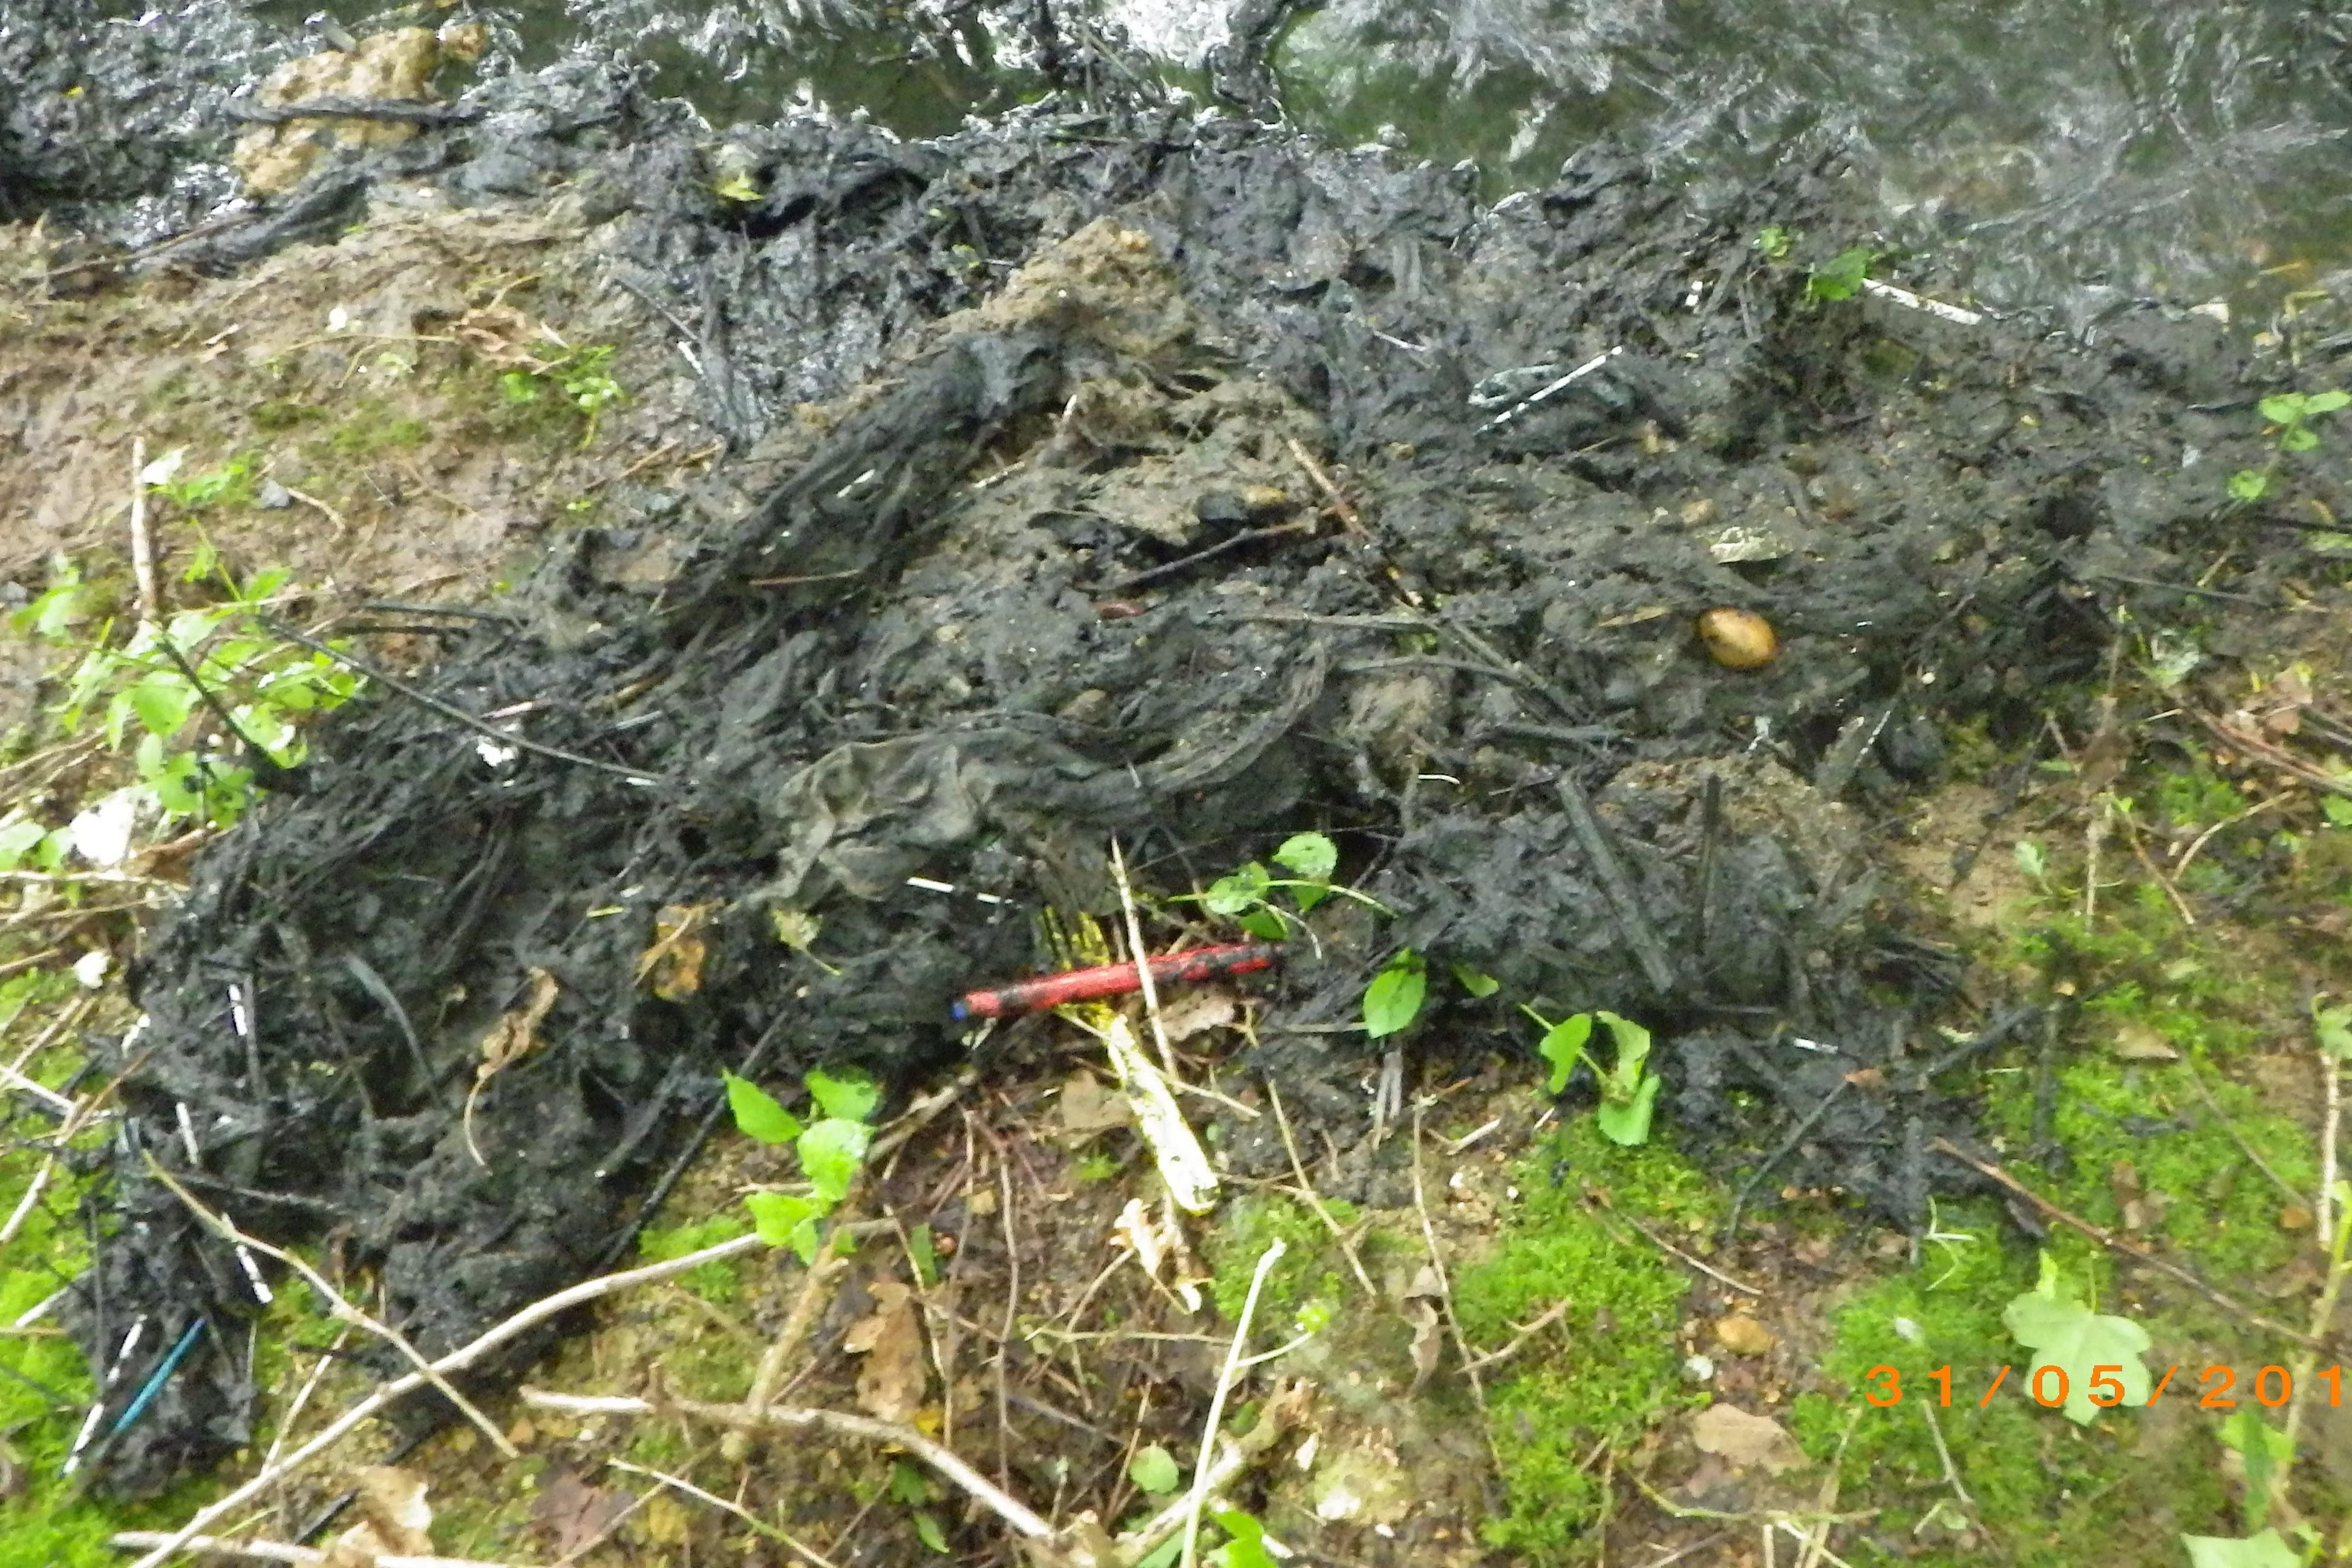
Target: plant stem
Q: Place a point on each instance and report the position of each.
(1200, 1494)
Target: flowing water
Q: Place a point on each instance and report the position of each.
(2063, 150)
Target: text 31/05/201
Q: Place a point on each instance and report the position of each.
(2271, 1386)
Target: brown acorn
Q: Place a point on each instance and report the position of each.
(1738, 639)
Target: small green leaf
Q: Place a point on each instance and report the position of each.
(2338, 810)
(851, 1096)
(2267, 1451)
(925, 1255)
(1627, 1122)
(1243, 890)
(2263, 1551)
(909, 1484)
(2032, 859)
(927, 1526)
(1309, 854)
(162, 703)
(758, 1115)
(2249, 484)
(1841, 278)
(1632, 1048)
(831, 1152)
(1265, 924)
(780, 1216)
(1247, 1547)
(1479, 985)
(17, 838)
(1310, 895)
(2298, 438)
(1393, 998)
(1563, 1047)
(2283, 408)
(2326, 402)
(2065, 1334)
(2332, 1026)
(1154, 1470)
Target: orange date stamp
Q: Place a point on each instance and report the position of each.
(2215, 1388)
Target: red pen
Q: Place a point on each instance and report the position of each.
(1116, 980)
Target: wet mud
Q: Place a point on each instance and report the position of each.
(1104, 472)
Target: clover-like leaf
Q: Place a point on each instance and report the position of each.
(1393, 999)
(2096, 1351)
(1478, 985)
(758, 1115)
(1633, 1051)
(1246, 1548)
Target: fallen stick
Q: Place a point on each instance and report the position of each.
(457, 1360)
(143, 549)
(2114, 1243)
(953, 1469)
(282, 1552)
(226, 1229)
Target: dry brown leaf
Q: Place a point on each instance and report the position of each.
(675, 960)
(1195, 1010)
(514, 1037)
(1745, 1441)
(503, 335)
(2137, 1042)
(574, 1513)
(1428, 1283)
(1088, 1107)
(395, 1519)
(890, 1384)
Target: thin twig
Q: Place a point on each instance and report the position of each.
(1142, 962)
(1445, 1287)
(746, 1515)
(336, 1303)
(1663, 1245)
(1199, 1496)
(1551, 1314)
(283, 1552)
(143, 549)
(1339, 503)
(2325, 1208)
(1314, 1199)
(2197, 845)
(302, 1398)
(785, 1417)
(2114, 1243)
(457, 1360)
(2245, 1148)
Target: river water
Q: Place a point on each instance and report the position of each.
(2064, 151)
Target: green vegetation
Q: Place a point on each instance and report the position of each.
(1842, 275)
(1553, 1414)
(1244, 895)
(1629, 1090)
(831, 1151)
(1393, 999)
(2290, 414)
(579, 379)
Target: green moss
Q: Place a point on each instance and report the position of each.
(1554, 1413)
(721, 1282)
(2055, 1495)
(1306, 1271)
(374, 427)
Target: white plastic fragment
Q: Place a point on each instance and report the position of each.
(1910, 301)
(1183, 1163)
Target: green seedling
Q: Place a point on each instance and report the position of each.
(1772, 242)
(583, 376)
(1393, 998)
(1154, 1470)
(1629, 1090)
(2083, 1360)
(1246, 894)
(2267, 1550)
(1842, 275)
(2290, 414)
(142, 694)
(2267, 1452)
(831, 1151)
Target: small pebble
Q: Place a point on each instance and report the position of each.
(1743, 1335)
